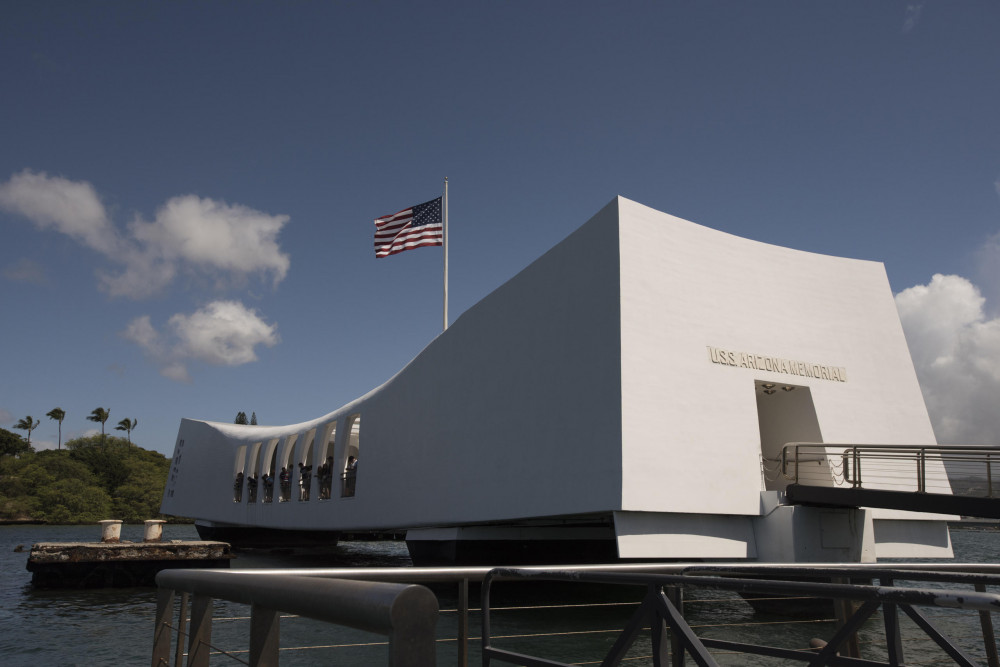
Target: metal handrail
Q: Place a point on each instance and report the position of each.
(405, 613)
(462, 576)
(662, 612)
(852, 455)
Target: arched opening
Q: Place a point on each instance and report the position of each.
(352, 446)
(269, 461)
(305, 465)
(325, 470)
(287, 469)
(252, 474)
(238, 466)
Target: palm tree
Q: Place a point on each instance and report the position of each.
(100, 415)
(127, 425)
(58, 414)
(28, 424)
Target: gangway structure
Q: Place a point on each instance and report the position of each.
(938, 479)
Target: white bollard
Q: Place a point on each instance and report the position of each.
(154, 530)
(111, 530)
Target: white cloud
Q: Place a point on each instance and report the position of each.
(70, 207)
(5, 416)
(987, 260)
(956, 353)
(225, 243)
(141, 332)
(215, 235)
(25, 271)
(223, 333)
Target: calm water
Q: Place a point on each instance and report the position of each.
(115, 627)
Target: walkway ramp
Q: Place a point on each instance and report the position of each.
(939, 479)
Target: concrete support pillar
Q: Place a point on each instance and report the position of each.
(154, 530)
(111, 530)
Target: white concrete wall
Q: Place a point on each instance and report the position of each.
(513, 412)
(690, 429)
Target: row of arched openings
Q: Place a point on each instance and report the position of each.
(300, 467)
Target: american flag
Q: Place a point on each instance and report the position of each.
(410, 228)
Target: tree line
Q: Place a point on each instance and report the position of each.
(91, 478)
(98, 415)
(241, 418)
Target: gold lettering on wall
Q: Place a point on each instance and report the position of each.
(761, 362)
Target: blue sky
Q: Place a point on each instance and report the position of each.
(187, 189)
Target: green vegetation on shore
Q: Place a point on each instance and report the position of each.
(89, 479)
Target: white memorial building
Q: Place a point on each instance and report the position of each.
(627, 395)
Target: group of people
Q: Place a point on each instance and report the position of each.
(305, 481)
(324, 473)
(252, 483)
(350, 476)
(285, 483)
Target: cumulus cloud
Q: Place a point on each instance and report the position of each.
(955, 349)
(25, 271)
(70, 207)
(987, 261)
(222, 333)
(226, 243)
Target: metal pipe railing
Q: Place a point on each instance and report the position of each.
(794, 454)
(405, 613)
(662, 612)
(978, 573)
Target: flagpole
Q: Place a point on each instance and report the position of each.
(444, 221)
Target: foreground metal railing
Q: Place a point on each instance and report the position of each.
(918, 467)
(347, 605)
(405, 613)
(672, 638)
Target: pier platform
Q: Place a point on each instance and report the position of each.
(118, 564)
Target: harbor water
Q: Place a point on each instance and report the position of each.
(115, 626)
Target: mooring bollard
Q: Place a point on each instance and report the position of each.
(111, 530)
(154, 530)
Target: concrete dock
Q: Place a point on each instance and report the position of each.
(113, 563)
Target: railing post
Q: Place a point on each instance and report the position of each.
(989, 478)
(161, 633)
(463, 622)
(890, 617)
(676, 596)
(660, 635)
(989, 639)
(797, 466)
(201, 631)
(842, 609)
(265, 635)
(181, 629)
(922, 471)
(412, 642)
(484, 615)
